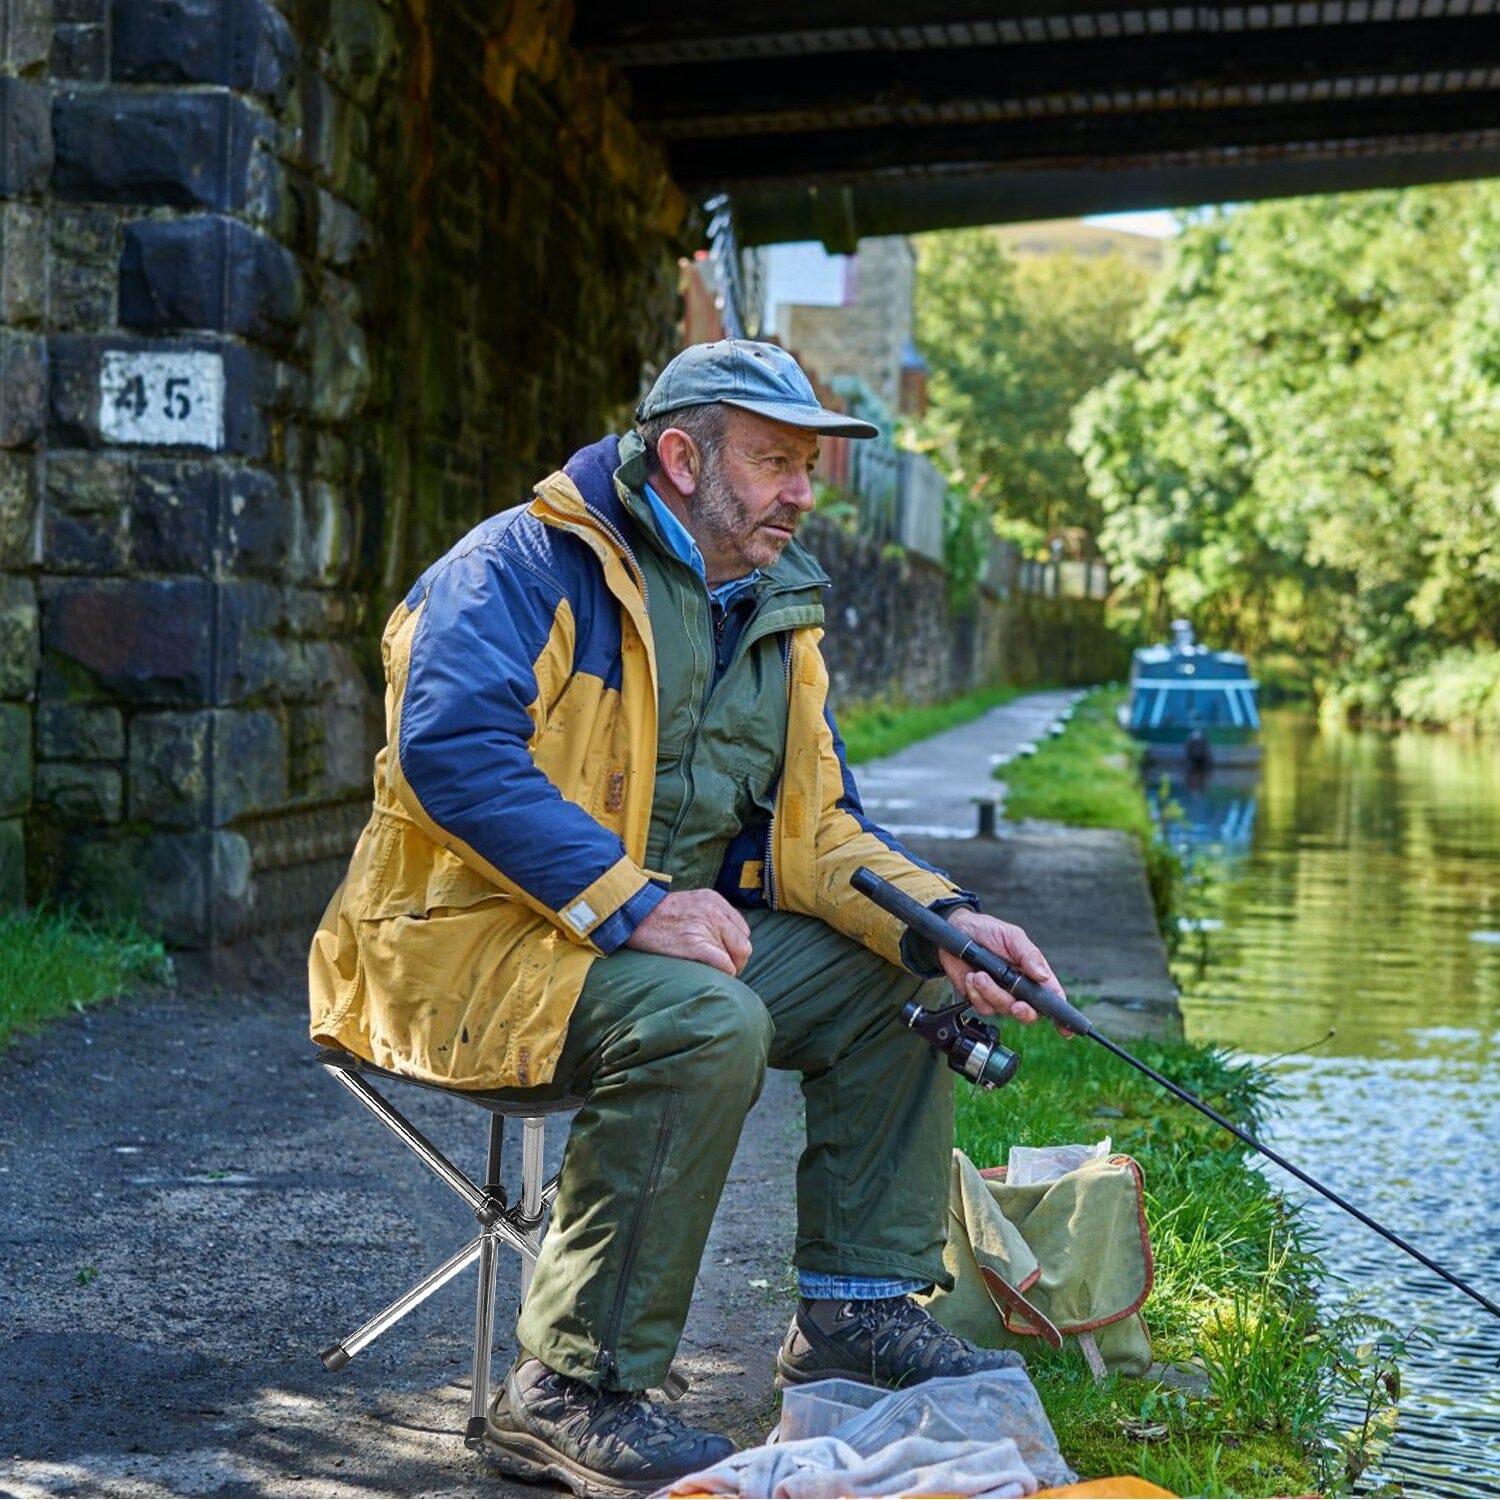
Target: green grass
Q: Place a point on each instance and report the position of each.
(1236, 1274)
(882, 728)
(1089, 777)
(53, 962)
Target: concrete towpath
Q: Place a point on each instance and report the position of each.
(190, 1209)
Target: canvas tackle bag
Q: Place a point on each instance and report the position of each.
(1066, 1259)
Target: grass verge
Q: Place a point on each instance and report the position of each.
(882, 728)
(1090, 777)
(52, 962)
(1236, 1270)
(1234, 1296)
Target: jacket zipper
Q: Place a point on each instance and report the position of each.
(607, 1355)
(768, 865)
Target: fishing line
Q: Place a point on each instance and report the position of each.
(948, 937)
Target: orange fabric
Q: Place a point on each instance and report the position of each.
(1120, 1487)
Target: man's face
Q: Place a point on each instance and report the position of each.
(748, 504)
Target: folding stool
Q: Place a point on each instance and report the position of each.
(517, 1224)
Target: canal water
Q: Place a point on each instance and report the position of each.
(1352, 885)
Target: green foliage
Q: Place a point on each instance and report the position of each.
(53, 961)
(1303, 458)
(1233, 1299)
(1012, 346)
(883, 727)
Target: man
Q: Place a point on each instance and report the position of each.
(610, 855)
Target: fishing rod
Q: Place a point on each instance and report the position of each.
(950, 939)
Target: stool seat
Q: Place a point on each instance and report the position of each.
(514, 1104)
(503, 1221)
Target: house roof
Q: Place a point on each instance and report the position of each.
(826, 119)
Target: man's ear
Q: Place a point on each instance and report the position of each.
(679, 460)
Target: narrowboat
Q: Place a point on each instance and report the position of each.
(1191, 705)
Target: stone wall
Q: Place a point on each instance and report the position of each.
(892, 634)
(290, 296)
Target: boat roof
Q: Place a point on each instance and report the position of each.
(1188, 662)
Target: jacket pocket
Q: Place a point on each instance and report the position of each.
(403, 873)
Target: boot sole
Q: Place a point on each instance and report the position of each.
(789, 1375)
(524, 1456)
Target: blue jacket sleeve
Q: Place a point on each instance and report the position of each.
(468, 717)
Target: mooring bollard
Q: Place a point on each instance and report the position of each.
(986, 806)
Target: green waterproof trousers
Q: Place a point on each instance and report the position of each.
(669, 1055)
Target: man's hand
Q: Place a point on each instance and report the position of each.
(1010, 943)
(700, 925)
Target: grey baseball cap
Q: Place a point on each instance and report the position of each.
(762, 378)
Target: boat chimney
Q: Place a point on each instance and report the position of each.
(1182, 635)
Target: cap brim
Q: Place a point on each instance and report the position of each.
(811, 418)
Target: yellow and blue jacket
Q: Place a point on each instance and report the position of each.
(513, 799)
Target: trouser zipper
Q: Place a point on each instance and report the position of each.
(608, 1349)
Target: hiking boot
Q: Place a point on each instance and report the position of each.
(544, 1426)
(886, 1341)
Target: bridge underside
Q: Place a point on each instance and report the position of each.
(827, 119)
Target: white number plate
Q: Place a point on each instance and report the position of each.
(170, 400)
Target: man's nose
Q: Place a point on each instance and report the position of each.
(800, 493)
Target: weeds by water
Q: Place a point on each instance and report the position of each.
(1271, 1376)
(53, 962)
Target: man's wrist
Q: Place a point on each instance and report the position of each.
(918, 953)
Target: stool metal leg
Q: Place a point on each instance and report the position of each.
(336, 1356)
(484, 1300)
(533, 1140)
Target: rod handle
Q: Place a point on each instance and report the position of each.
(946, 936)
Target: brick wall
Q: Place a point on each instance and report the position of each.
(290, 296)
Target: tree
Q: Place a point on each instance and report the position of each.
(1012, 345)
(1303, 455)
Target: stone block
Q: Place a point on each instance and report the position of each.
(15, 759)
(85, 522)
(252, 659)
(26, 148)
(12, 863)
(161, 881)
(79, 731)
(345, 236)
(80, 53)
(17, 508)
(361, 45)
(256, 526)
(340, 363)
(74, 371)
(243, 44)
(19, 653)
(191, 517)
(249, 764)
(173, 513)
(23, 264)
(169, 765)
(79, 795)
(208, 271)
(83, 268)
(23, 386)
(143, 640)
(186, 150)
(25, 34)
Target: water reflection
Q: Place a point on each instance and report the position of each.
(1352, 904)
(1206, 808)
